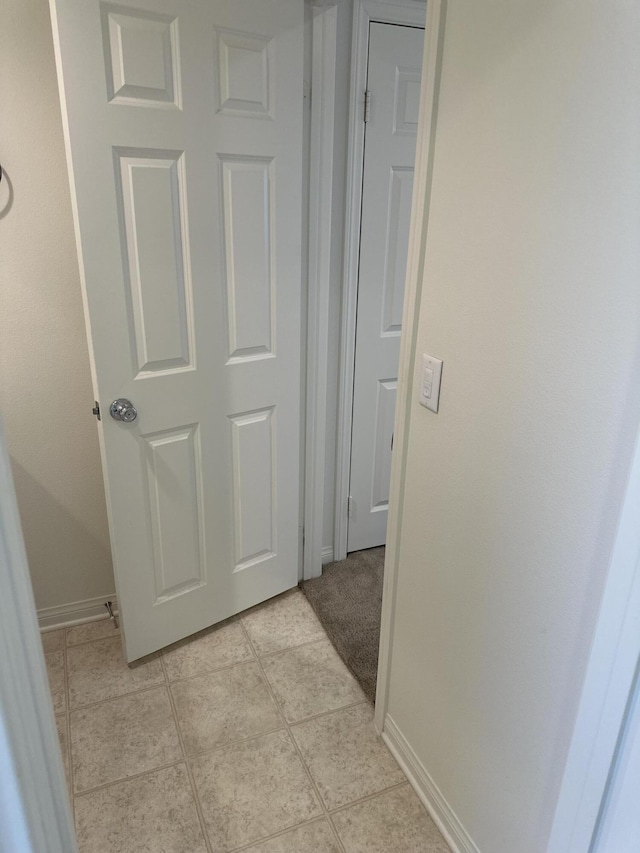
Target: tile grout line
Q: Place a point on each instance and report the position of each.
(326, 813)
(209, 671)
(92, 640)
(148, 687)
(132, 778)
(368, 797)
(238, 662)
(67, 722)
(252, 659)
(282, 727)
(322, 714)
(165, 678)
(234, 742)
(279, 834)
(288, 648)
(135, 692)
(192, 781)
(182, 761)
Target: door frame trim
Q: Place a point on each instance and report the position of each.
(409, 13)
(607, 687)
(427, 121)
(33, 788)
(323, 87)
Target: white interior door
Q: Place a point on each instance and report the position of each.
(393, 83)
(184, 135)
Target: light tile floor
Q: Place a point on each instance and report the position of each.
(250, 736)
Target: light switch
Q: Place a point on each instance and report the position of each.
(429, 394)
(427, 382)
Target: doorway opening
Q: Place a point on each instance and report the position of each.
(391, 122)
(386, 80)
(387, 66)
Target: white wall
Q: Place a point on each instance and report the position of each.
(45, 387)
(531, 297)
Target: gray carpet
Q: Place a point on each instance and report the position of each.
(347, 599)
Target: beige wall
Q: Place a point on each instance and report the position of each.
(45, 386)
(512, 492)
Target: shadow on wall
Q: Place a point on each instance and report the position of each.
(6, 193)
(67, 562)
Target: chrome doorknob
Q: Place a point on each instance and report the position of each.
(123, 410)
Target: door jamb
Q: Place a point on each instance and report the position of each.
(34, 805)
(407, 12)
(323, 87)
(427, 120)
(607, 686)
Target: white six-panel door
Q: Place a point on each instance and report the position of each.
(184, 135)
(393, 83)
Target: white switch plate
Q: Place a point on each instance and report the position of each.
(429, 391)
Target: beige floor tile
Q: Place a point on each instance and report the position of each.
(311, 679)
(224, 706)
(52, 641)
(98, 671)
(149, 814)
(395, 820)
(122, 737)
(253, 789)
(313, 838)
(101, 629)
(55, 671)
(61, 725)
(346, 757)
(207, 651)
(281, 623)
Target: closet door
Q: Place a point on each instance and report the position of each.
(393, 83)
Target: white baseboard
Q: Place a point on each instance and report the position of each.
(327, 555)
(74, 613)
(441, 812)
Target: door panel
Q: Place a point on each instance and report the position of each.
(184, 134)
(247, 192)
(393, 82)
(174, 464)
(141, 56)
(150, 192)
(396, 240)
(385, 414)
(253, 488)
